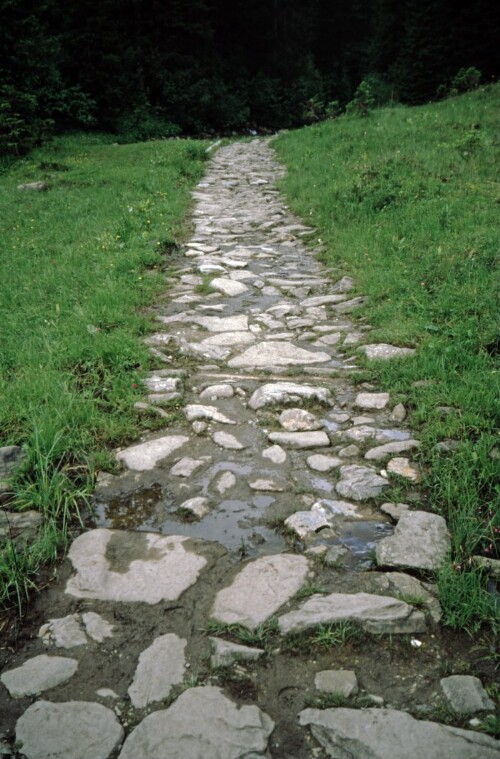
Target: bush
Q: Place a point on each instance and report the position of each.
(145, 123)
(465, 80)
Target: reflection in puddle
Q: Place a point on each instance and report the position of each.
(360, 538)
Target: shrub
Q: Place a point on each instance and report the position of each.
(465, 80)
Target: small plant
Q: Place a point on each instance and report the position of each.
(491, 725)
(465, 80)
(309, 589)
(204, 288)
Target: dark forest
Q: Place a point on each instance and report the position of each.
(169, 67)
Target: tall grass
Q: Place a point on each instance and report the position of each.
(407, 201)
(78, 264)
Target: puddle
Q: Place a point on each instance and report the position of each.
(360, 538)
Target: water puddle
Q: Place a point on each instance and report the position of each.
(360, 539)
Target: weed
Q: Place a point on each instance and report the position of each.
(491, 725)
(309, 589)
(321, 638)
(260, 636)
(204, 288)
(337, 700)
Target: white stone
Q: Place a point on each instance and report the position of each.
(63, 633)
(299, 440)
(259, 590)
(305, 523)
(404, 468)
(96, 626)
(267, 485)
(145, 456)
(343, 682)
(159, 384)
(340, 508)
(150, 567)
(285, 393)
(225, 440)
(384, 451)
(38, 674)
(198, 506)
(228, 286)
(322, 300)
(201, 724)
(225, 482)
(225, 653)
(186, 466)
(321, 463)
(360, 483)
(217, 391)
(275, 453)
(298, 419)
(228, 339)
(420, 541)
(222, 323)
(372, 400)
(277, 353)
(160, 667)
(384, 352)
(107, 693)
(196, 411)
(74, 730)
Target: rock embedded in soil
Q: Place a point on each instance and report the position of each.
(260, 589)
(305, 523)
(38, 674)
(275, 453)
(390, 734)
(225, 440)
(186, 466)
(228, 286)
(97, 627)
(225, 481)
(160, 667)
(201, 724)
(73, 730)
(398, 413)
(225, 653)
(21, 527)
(384, 352)
(112, 565)
(404, 468)
(145, 456)
(466, 695)
(285, 393)
(198, 506)
(321, 463)
(217, 391)
(277, 353)
(360, 483)
(376, 614)
(64, 632)
(300, 440)
(195, 411)
(342, 682)
(298, 419)
(394, 510)
(420, 541)
(381, 452)
(372, 400)
(222, 323)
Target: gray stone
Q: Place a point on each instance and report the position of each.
(490, 566)
(420, 541)
(267, 485)
(145, 456)
(285, 393)
(300, 439)
(10, 457)
(298, 419)
(196, 411)
(305, 523)
(225, 440)
(377, 614)
(405, 587)
(343, 682)
(160, 667)
(466, 695)
(33, 186)
(228, 286)
(201, 724)
(372, 400)
(19, 526)
(222, 323)
(404, 468)
(227, 339)
(275, 453)
(340, 508)
(332, 339)
(360, 483)
(381, 452)
(186, 466)
(394, 510)
(322, 300)
(334, 555)
(398, 413)
(64, 632)
(389, 734)
(198, 506)
(277, 353)
(199, 427)
(350, 451)
(38, 674)
(217, 391)
(384, 352)
(107, 693)
(74, 730)
(159, 384)
(321, 463)
(225, 481)
(226, 653)
(113, 565)
(259, 590)
(96, 626)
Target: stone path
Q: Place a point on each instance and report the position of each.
(230, 553)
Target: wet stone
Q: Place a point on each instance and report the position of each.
(285, 393)
(146, 456)
(297, 419)
(74, 730)
(225, 440)
(305, 523)
(321, 463)
(277, 353)
(300, 440)
(342, 682)
(137, 556)
(382, 734)
(160, 667)
(394, 510)
(275, 453)
(38, 674)
(466, 695)
(259, 590)
(267, 485)
(185, 467)
(223, 730)
(224, 482)
(420, 541)
(198, 506)
(225, 653)
(360, 483)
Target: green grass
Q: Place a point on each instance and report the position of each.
(407, 202)
(78, 265)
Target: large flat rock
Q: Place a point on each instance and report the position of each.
(74, 730)
(160, 667)
(377, 614)
(300, 440)
(466, 695)
(286, 393)
(360, 482)
(144, 456)
(420, 541)
(259, 590)
(228, 286)
(277, 353)
(38, 674)
(201, 724)
(222, 323)
(132, 566)
(390, 734)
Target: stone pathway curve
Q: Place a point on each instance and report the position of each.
(231, 551)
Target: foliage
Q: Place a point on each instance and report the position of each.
(465, 80)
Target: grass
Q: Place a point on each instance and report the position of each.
(322, 638)
(260, 636)
(406, 201)
(79, 264)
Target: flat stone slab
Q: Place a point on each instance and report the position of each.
(225, 440)
(198, 506)
(201, 724)
(228, 286)
(275, 453)
(74, 730)
(286, 393)
(360, 483)
(305, 523)
(97, 627)
(420, 541)
(160, 667)
(277, 353)
(38, 674)
(259, 590)
(384, 352)
(377, 614)
(391, 734)
(226, 653)
(300, 440)
(298, 419)
(319, 462)
(196, 411)
(64, 632)
(404, 468)
(381, 452)
(145, 456)
(228, 339)
(114, 565)
(340, 681)
(372, 400)
(222, 390)
(222, 323)
(466, 695)
(186, 466)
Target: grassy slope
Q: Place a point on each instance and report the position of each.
(407, 201)
(76, 264)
